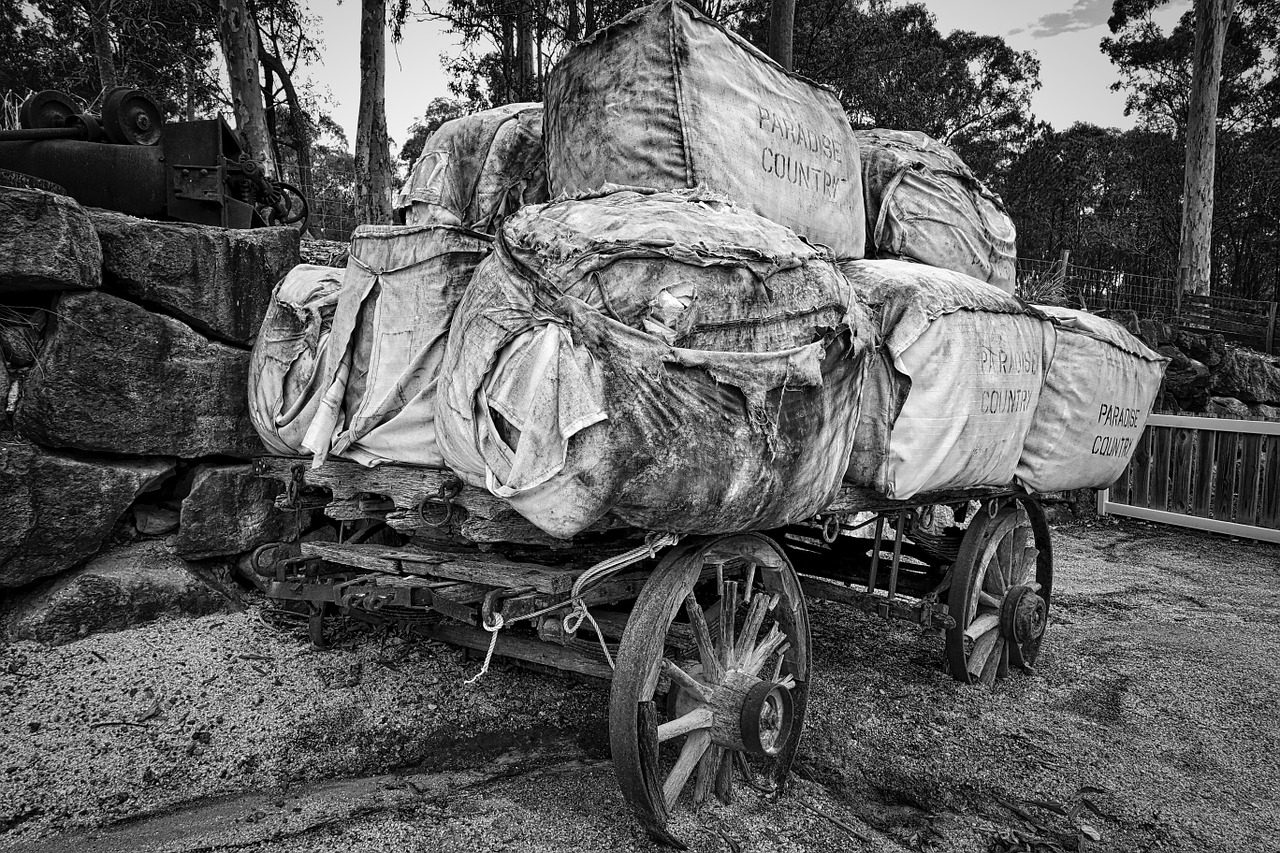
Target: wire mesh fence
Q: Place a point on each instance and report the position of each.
(1063, 283)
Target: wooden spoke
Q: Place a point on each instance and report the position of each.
(777, 669)
(750, 582)
(705, 781)
(986, 599)
(772, 642)
(751, 627)
(984, 623)
(699, 718)
(728, 612)
(686, 681)
(982, 648)
(694, 746)
(997, 657)
(702, 636)
(724, 778)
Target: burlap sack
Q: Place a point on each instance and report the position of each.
(388, 339)
(668, 98)
(1098, 391)
(477, 169)
(949, 397)
(289, 354)
(924, 204)
(680, 364)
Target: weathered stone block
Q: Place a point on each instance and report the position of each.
(46, 243)
(229, 511)
(1247, 375)
(218, 280)
(123, 586)
(151, 520)
(1186, 380)
(56, 510)
(114, 377)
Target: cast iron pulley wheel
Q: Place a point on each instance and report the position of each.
(1000, 590)
(46, 109)
(131, 117)
(722, 629)
(290, 208)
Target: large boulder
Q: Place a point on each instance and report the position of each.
(114, 377)
(1186, 381)
(229, 511)
(56, 510)
(123, 586)
(1248, 376)
(218, 280)
(46, 243)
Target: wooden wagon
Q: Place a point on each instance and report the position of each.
(705, 638)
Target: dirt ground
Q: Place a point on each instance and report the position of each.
(1150, 724)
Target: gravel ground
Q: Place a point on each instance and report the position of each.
(1149, 725)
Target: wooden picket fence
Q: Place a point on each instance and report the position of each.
(1251, 322)
(1213, 474)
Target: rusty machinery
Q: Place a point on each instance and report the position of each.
(130, 160)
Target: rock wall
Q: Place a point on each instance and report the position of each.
(125, 488)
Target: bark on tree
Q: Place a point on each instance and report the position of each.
(373, 149)
(100, 23)
(238, 33)
(1196, 243)
(300, 122)
(782, 22)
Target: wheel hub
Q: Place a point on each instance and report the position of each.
(765, 720)
(1023, 615)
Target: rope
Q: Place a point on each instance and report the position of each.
(573, 620)
(493, 644)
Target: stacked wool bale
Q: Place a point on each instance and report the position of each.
(125, 351)
(924, 204)
(347, 364)
(667, 358)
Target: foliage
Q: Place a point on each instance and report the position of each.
(164, 47)
(891, 67)
(438, 112)
(1155, 66)
(508, 46)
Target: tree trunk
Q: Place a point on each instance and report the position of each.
(573, 28)
(526, 78)
(189, 83)
(782, 22)
(1196, 243)
(508, 61)
(100, 23)
(239, 36)
(299, 120)
(373, 149)
(589, 8)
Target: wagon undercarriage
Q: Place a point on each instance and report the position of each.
(705, 639)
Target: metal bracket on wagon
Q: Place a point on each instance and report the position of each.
(443, 497)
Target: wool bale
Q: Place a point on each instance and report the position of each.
(669, 98)
(1099, 388)
(378, 390)
(951, 392)
(669, 359)
(924, 204)
(287, 363)
(475, 170)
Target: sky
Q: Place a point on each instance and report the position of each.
(1064, 34)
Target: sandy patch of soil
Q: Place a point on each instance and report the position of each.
(1149, 725)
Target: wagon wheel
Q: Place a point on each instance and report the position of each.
(737, 690)
(1000, 592)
